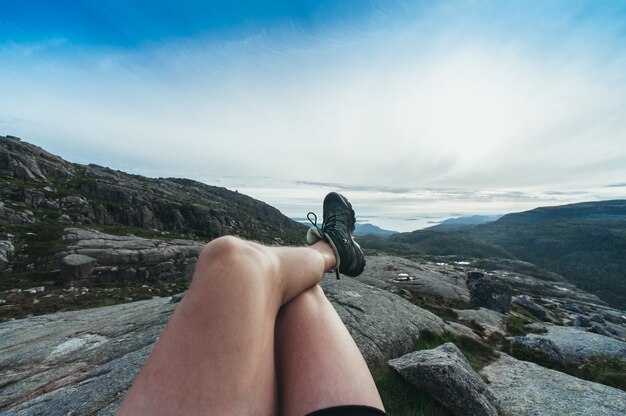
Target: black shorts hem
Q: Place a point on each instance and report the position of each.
(350, 410)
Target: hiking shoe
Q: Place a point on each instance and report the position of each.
(337, 227)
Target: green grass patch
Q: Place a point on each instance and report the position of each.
(523, 311)
(516, 325)
(440, 306)
(401, 398)
(36, 240)
(477, 352)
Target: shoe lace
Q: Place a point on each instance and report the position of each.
(314, 222)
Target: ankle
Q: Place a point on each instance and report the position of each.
(327, 253)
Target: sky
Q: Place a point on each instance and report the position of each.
(415, 110)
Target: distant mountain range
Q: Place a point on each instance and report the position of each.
(371, 229)
(584, 242)
(459, 223)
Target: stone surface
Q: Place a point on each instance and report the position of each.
(446, 375)
(541, 345)
(491, 294)
(524, 388)
(383, 325)
(490, 321)
(577, 344)
(536, 310)
(423, 277)
(76, 266)
(80, 361)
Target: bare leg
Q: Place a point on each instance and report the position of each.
(319, 365)
(216, 355)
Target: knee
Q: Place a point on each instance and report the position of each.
(230, 251)
(221, 248)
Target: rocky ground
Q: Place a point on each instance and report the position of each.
(81, 362)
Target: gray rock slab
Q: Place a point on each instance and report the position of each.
(383, 325)
(446, 375)
(77, 266)
(78, 361)
(576, 344)
(426, 277)
(526, 389)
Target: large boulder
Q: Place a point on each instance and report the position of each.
(524, 388)
(446, 375)
(382, 324)
(76, 266)
(491, 294)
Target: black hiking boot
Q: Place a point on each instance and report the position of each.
(337, 227)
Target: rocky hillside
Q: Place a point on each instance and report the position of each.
(36, 186)
(69, 227)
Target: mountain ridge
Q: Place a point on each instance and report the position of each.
(585, 242)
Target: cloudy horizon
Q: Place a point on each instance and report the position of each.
(416, 110)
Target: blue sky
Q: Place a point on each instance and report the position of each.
(416, 110)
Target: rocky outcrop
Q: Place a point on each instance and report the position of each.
(491, 294)
(22, 160)
(383, 325)
(10, 216)
(573, 344)
(126, 257)
(446, 375)
(524, 388)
